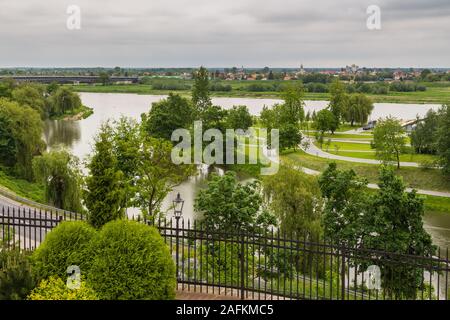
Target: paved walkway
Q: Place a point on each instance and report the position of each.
(370, 185)
(316, 151)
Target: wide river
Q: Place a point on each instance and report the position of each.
(78, 137)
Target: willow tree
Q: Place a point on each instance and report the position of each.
(59, 172)
(64, 100)
(21, 131)
(200, 91)
(358, 109)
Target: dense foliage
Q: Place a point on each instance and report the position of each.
(389, 140)
(104, 195)
(229, 206)
(66, 245)
(168, 115)
(21, 130)
(131, 261)
(389, 220)
(54, 288)
(58, 171)
(16, 276)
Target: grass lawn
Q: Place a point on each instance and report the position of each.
(30, 190)
(428, 179)
(371, 155)
(337, 135)
(346, 146)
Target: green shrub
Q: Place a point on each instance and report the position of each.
(65, 245)
(131, 261)
(54, 288)
(16, 277)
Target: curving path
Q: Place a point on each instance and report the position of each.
(370, 185)
(316, 151)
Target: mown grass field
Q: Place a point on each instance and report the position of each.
(428, 179)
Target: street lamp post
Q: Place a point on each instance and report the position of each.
(178, 204)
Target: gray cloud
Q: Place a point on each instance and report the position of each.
(222, 33)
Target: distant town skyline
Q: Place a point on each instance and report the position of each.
(252, 33)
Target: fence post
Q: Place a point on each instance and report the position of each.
(343, 275)
(242, 262)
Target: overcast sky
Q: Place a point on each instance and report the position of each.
(221, 33)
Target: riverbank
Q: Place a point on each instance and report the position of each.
(77, 114)
(434, 95)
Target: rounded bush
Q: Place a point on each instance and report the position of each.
(67, 244)
(131, 261)
(54, 288)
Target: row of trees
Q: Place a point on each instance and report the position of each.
(23, 107)
(432, 136)
(337, 207)
(49, 101)
(343, 107)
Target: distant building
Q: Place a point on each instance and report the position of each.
(301, 72)
(399, 75)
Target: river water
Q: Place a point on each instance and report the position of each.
(78, 137)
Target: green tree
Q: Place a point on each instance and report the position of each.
(395, 224)
(104, 195)
(325, 121)
(126, 142)
(157, 175)
(346, 198)
(214, 117)
(424, 137)
(295, 199)
(389, 140)
(32, 96)
(168, 115)
(58, 171)
(104, 78)
(293, 110)
(7, 85)
(339, 100)
(21, 131)
(229, 206)
(200, 91)
(52, 87)
(388, 220)
(443, 140)
(358, 109)
(239, 118)
(290, 136)
(64, 100)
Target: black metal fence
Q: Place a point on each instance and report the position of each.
(268, 265)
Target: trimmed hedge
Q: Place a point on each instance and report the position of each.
(67, 244)
(131, 261)
(54, 288)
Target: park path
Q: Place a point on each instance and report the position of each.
(312, 149)
(370, 185)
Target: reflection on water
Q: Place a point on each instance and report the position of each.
(62, 132)
(78, 136)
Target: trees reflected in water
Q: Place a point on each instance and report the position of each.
(63, 132)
